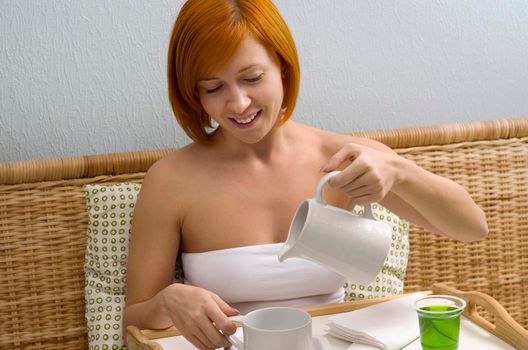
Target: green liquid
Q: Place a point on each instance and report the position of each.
(439, 332)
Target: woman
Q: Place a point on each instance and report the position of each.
(226, 200)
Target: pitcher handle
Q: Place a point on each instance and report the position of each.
(319, 190)
(367, 212)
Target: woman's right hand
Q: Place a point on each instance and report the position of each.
(199, 315)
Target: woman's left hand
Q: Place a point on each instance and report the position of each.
(370, 176)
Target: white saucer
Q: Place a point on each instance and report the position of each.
(320, 343)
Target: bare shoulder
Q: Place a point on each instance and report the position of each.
(173, 175)
(332, 141)
(170, 169)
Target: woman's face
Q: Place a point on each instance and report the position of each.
(245, 96)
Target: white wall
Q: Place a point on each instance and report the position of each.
(85, 77)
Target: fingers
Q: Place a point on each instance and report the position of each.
(205, 335)
(348, 152)
(192, 330)
(219, 317)
(213, 335)
(215, 320)
(362, 189)
(363, 195)
(199, 323)
(363, 185)
(226, 308)
(348, 176)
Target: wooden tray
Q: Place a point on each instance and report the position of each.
(505, 327)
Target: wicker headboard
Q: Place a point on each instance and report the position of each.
(43, 226)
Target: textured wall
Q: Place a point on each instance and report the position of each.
(84, 77)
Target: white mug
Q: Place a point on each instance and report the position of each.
(351, 245)
(277, 328)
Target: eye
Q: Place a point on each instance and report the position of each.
(213, 90)
(254, 79)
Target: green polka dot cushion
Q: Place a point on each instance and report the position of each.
(110, 212)
(389, 281)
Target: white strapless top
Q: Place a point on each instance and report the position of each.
(251, 277)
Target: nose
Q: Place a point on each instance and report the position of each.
(238, 100)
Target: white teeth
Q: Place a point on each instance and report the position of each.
(247, 120)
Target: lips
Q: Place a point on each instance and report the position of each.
(247, 121)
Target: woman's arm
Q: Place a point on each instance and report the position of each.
(154, 245)
(375, 173)
(153, 300)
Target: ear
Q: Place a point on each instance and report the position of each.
(284, 67)
(284, 72)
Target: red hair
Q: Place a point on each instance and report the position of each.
(205, 36)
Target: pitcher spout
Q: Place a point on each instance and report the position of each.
(296, 227)
(285, 252)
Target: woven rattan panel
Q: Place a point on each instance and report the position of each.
(43, 232)
(42, 245)
(496, 175)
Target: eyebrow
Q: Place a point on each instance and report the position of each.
(251, 66)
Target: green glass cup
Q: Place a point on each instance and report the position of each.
(439, 319)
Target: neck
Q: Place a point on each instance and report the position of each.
(263, 151)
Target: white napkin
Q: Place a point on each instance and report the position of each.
(389, 325)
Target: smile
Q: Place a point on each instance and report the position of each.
(248, 121)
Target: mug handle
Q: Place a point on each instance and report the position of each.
(367, 212)
(233, 339)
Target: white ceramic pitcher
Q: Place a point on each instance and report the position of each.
(353, 246)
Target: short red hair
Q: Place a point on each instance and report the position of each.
(204, 38)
